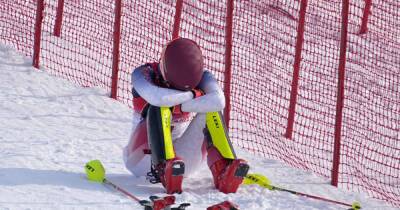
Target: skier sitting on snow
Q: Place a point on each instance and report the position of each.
(179, 106)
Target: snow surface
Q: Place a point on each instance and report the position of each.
(49, 128)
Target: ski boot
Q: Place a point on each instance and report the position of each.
(228, 174)
(167, 168)
(170, 174)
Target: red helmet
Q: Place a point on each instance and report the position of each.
(181, 64)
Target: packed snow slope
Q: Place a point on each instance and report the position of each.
(49, 128)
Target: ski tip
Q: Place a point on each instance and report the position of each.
(224, 205)
(355, 205)
(95, 171)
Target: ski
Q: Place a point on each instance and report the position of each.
(96, 172)
(264, 182)
(226, 205)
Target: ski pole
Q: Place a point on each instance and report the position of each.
(263, 181)
(96, 172)
(157, 203)
(106, 182)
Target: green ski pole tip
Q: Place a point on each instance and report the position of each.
(95, 171)
(355, 205)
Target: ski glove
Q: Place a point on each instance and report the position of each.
(178, 108)
(197, 93)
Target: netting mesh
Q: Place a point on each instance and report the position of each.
(268, 32)
(146, 27)
(83, 52)
(263, 55)
(17, 20)
(371, 119)
(208, 31)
